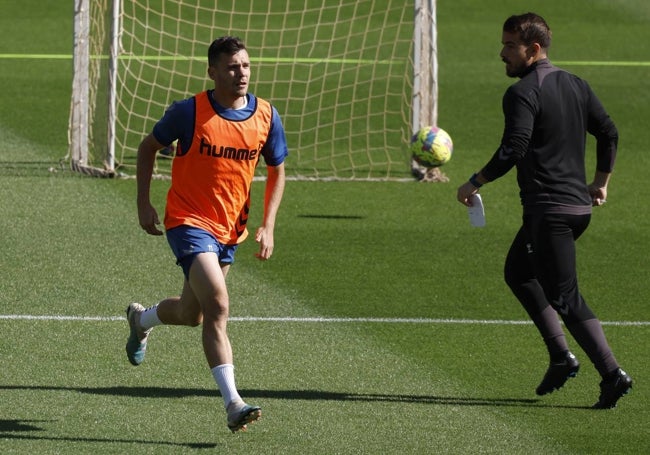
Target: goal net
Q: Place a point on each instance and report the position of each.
(351, 79)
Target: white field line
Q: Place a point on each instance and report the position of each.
(316, 320)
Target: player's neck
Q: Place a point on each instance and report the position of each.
(229, 102)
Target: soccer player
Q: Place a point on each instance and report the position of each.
(548, 114)
(221, 133)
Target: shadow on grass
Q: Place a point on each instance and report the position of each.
(319, 395)
(25, 430)
(30, 430)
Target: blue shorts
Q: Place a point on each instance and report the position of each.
(188, 241)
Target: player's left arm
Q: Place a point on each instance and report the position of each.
(275, 182)
(274, 151)
(602, 127)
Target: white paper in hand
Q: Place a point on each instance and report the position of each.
(476, 211)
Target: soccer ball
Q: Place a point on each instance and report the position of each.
(431, 147)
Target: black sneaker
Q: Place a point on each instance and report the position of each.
(613, 389)
(558, 373)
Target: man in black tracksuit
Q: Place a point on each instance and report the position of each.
(547, 115)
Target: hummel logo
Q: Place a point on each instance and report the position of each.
(230, 153)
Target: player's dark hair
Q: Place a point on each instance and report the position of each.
(224, 45)
(531, 28)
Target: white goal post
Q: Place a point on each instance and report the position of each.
(351, 79)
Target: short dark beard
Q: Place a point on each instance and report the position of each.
(517, 71)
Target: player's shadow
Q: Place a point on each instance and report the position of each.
(398, 398)
(308, 395)
(32, 431)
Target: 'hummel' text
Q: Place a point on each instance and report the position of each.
(230, 153)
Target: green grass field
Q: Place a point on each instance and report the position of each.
(382, 323)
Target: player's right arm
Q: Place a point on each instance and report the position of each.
(147, 214)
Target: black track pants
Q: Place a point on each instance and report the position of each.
(541, 265)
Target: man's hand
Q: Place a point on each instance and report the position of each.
(264, 236)
(149, 218)
(598, 194)
(464, 193)
(598, 188)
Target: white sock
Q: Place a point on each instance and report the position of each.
(224, 375)
(149, 318)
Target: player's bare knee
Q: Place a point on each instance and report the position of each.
(216, 310)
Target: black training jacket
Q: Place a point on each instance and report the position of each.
(548, 114)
